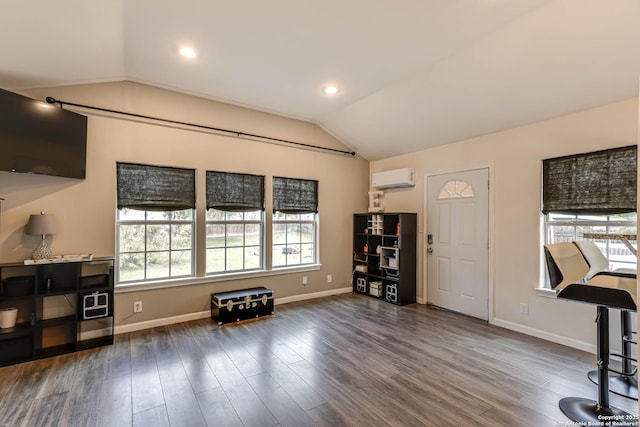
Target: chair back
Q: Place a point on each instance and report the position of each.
(565, 264)
(594, 256)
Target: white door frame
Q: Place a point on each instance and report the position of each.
(489, 167)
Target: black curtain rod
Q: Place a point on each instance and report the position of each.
(238, 134)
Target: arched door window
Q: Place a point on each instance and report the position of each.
(456, 189)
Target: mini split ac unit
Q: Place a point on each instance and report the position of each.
(397, 178)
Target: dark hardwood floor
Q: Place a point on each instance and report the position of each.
(345, 360)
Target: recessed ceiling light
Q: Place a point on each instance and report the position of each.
(330, 90)
(187, 52)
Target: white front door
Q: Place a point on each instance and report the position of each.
(458, 242)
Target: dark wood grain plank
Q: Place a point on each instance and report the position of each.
(115, 408)
(195, 364)
(241, 358)
(165, 349)
(217, 409)
(60, 376)
(304, 395)
(326, 416)
(249, 407)
(338, 361)
(146, 390)
(82, 406)
(119, 356)
(180, 400)
(22, 390)
(286, 411)
(153, 417)
(45, 411)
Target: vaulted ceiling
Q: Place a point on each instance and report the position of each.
(410, 73)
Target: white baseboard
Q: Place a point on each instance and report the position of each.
(147, 324)
(321, 294)
(569, 342)
(138, 326)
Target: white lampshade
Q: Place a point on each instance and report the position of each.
(41, 224)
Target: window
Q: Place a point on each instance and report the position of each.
(592, 196)
(234, 241)
(294, 237)
(569, 228)
(154, 245)
(156, 219)
(155, 222)
(235, 222)
(295, 212)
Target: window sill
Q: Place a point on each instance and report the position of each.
(546, 292)
(172, 283)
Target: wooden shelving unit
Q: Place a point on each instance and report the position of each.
(51, 304)
(384, 256)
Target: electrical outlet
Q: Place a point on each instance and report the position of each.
(137, 307)
(524, 308)
(305, 281)
(329, 278)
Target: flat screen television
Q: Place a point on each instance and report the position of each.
(40, 138)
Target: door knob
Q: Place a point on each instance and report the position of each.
(430, 250)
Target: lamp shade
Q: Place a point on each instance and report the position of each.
(41, 224)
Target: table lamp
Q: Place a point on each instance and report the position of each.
(42, 225)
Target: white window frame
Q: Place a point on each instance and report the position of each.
(576, 222)
(243, 222)
(146, 222)
(280, 218)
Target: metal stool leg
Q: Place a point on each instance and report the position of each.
(624, 384)
(583, 410)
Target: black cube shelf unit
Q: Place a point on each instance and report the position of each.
(62, 307)
(384, 256)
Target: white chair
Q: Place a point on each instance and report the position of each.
(596, 259)
(594, 256)
(565, 263)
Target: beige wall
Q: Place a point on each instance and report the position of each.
(85, 209)
(516, 156)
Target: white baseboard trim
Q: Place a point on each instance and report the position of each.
(314, 295)
(569, 342)
(147, 324)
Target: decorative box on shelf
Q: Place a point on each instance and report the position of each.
(375, 288)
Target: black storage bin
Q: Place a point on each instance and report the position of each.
(94, 305)
(16, 349)
(18, 286)
(95, 281)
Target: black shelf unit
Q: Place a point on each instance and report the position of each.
(384, 256)
(49, 298)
